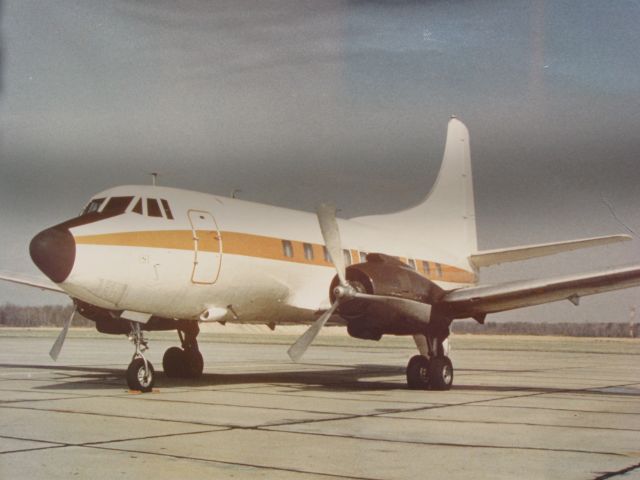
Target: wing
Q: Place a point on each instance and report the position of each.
(480, 300)
(42, 284)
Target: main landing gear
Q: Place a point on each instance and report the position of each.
(185, 362)
(432, 369)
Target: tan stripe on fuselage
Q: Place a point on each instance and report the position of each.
(246, 244)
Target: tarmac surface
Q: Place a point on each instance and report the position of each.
(519, 409)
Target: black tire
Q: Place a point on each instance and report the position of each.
(138, 377)
(193, 364)
(173, 362)
(418, 371)
(441, 373)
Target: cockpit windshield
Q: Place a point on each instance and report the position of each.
(114, 206)
(117, 205)
(94, 206)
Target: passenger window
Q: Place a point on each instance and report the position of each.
(287, 248)
(153, 209)
(347, 257)
(117, 205)
(412, 263)
(425, 266)
(94, 206)
(167, 210)
(438, 270)
(138, 208)
(308, 251)
(327, 257)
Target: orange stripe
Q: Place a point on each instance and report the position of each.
(168, 239)
(248, 245)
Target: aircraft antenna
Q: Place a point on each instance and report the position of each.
(613, 212)
(154, 178)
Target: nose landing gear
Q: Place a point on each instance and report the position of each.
(140, 373)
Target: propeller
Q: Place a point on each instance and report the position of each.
(331, 234)
(296, 351)
(57, 346)
(344, 291)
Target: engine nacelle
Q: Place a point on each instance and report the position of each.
(385, 275)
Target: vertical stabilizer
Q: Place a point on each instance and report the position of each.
(446, 217)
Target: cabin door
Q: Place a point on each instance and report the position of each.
(207, 247)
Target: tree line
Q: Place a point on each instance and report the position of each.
(55, 315)
(41, 316)
(602, 329)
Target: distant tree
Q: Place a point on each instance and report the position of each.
(42, 316)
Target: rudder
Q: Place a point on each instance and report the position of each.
(446, 217)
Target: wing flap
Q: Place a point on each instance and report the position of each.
(480, 300)
(487, 258)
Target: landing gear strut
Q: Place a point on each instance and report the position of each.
(185, 362)
(432, 369)
(140, 374)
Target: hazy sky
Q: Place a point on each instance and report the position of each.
(298, 102)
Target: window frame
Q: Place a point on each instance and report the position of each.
(166, 208)
(141, 203)
(426, 267)
(119, 210)
(287, 248)
(307, 249)
(92, 202)
(151, 201)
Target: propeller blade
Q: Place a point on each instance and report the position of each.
(296, 351)
(57, 346)
(331, 234)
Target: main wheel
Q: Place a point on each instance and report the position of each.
(139, 376)
(441, 373)
(418, 373)
(193, 363)
(173, 362)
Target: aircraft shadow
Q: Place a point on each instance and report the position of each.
(355, 378)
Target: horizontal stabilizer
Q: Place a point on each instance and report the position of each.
(487, 258)
(483, 299)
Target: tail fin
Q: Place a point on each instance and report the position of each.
(446, 217)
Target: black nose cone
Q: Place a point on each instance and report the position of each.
(53, 251)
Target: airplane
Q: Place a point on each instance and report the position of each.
(145, 258)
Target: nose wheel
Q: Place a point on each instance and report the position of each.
(140, 373)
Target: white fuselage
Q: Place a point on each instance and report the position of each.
(237, 260)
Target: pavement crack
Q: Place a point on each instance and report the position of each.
(237, 464)
(624, 471)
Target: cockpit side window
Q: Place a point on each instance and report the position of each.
(167, 210)
(138, 207)
(116, 205)
(94, 206)
(153, 209)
